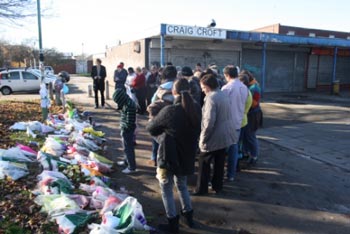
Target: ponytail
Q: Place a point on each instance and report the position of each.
(182, 87)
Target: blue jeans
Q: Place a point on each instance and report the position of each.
(232, 159)
(129, 148)
(155, 147)
(241, 149)
(250, 142)
(168, 196)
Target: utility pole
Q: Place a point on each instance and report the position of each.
(45, 102)
(41, 54)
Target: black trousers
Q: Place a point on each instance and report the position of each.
(141, 98)
(102, 97)
(205, 159)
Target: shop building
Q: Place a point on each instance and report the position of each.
(282, 61)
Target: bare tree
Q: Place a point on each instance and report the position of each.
(20, 54)
(13, 10)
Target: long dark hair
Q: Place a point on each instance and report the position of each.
(182, 87)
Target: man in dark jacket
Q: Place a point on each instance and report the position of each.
(98, 75)
(195, 89)
(127, 127)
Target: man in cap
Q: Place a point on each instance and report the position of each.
(120, 75)
(195, 89)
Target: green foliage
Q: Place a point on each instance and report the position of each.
(21, 136)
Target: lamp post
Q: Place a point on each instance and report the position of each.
(45, 102)
(41, 54)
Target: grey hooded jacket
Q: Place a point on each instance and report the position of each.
(217, 124)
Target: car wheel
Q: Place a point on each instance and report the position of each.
(6, 90)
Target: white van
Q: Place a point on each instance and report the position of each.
(22, 80)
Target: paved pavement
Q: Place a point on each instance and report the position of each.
(319, 130)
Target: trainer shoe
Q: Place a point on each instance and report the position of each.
(128, 171)
(121, 163)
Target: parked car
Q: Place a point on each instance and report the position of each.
(19, 80)
(47, 69)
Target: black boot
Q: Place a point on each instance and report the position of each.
(171, 227)
(188, 218)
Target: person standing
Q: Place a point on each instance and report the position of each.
(198, 67)
(127, 128)
(238, 94)
(151, 84)
(163, 92)
(255, 119)
(216, 135)
(138, 85)
(195, 89)
(179, 127)
(120, 75)
(98, 74)
(245, 80)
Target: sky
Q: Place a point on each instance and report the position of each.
(89, 26)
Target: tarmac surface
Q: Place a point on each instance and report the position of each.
(316, 126)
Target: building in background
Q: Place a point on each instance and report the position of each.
(283, 58)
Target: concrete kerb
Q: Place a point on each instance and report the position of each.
(310, 97)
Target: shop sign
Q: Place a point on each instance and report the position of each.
(193, 31)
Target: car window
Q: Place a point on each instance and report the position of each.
(29, 76)
(13, 75)
(4, 76)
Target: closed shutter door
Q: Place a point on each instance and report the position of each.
(251, 61)
(279, 71)
(325, 70)
(284, 69)
(184, 57)
(312, 72)
(343, 70)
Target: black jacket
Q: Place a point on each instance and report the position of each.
(99, 83)
(178, 138)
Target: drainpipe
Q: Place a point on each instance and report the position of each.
(334, 83)
(162, 43)
(263, 69)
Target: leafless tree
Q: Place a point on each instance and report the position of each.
(13, 10)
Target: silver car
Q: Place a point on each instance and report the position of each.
(22, 80)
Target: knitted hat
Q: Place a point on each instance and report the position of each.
(120, 97)
(186, 71)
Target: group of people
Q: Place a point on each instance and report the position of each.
(140, 84)
(191, 113)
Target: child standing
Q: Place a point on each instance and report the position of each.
(127, 128)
